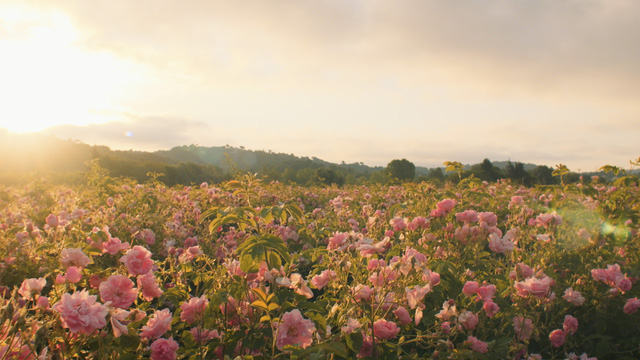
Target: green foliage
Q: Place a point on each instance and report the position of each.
(401, 170)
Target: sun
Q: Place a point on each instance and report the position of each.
(48, 78)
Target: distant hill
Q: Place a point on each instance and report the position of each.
(37, 154)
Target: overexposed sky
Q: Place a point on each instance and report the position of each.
(540, 81)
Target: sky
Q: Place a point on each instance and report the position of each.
(537, 81)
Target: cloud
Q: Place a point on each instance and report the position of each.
(531, 46)
(140, 133)
(373, 80)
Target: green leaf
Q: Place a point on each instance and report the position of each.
(129, 342)
(260, 304)
(354, 341)
(248, 264)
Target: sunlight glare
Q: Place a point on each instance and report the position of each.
(48, 79)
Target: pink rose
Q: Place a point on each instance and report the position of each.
(557, 337)
(538, 287)
(352, 324)
(203, 335)
(468, 319)
(43, 302)
(119, 290)
(631, 306)
(488, 218)
(193, 309)
(321, 280)
(114, 246)
(138, 260)
(415, 295)
(73, 274)
(486, 292)
(158, 324)
(570, 325)
(573, 297)
(445, 327)
(362, 292)
(52, 220)
(150, 289)
(164, 349)
(470, 288)
(477, 345)
(500, 244)
(524, 271)
(74, 257)
(403, 316)
(446, 205)
(468, 216)
(31, 287)
(384, 329)
(294, 330)
(490, 308)
(80, 312)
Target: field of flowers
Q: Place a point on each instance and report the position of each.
(254, 270)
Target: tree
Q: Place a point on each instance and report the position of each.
(435, 174)
(402, 170)
(328, 176)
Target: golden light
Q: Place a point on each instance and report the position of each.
(47, 78)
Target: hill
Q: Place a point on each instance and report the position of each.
(24, 155)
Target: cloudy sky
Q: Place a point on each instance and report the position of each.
(541, 81)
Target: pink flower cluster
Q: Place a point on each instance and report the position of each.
(80, 312)
(485, 293)
(295, 330)
(443, 208)
(613, 277)
(569, 327)
(539, 287)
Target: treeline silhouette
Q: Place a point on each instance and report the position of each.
(23, 156)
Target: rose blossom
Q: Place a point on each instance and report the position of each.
(384, 329)
(538, 287)
(570, 324)
(490, 308)
(362, 292)
(486, 292)
(138, 260)
(31, 287)
(631, 306)
(114, 246)
(294, 330)
(158, 324)
(150, 289)
(203, 335)
(573, 297)
(470, 288)
(74, 257)
(468, 319)
(193, 309)
(321, 280)
(403, 316)
(80, 312)
(415, 295)
(352, 324)
(557, 337)
(73, 274)
(52, 220)
(119, 290)
(446, 205)
(477, 345)
(164, 349)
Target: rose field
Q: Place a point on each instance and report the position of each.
(251, 269)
